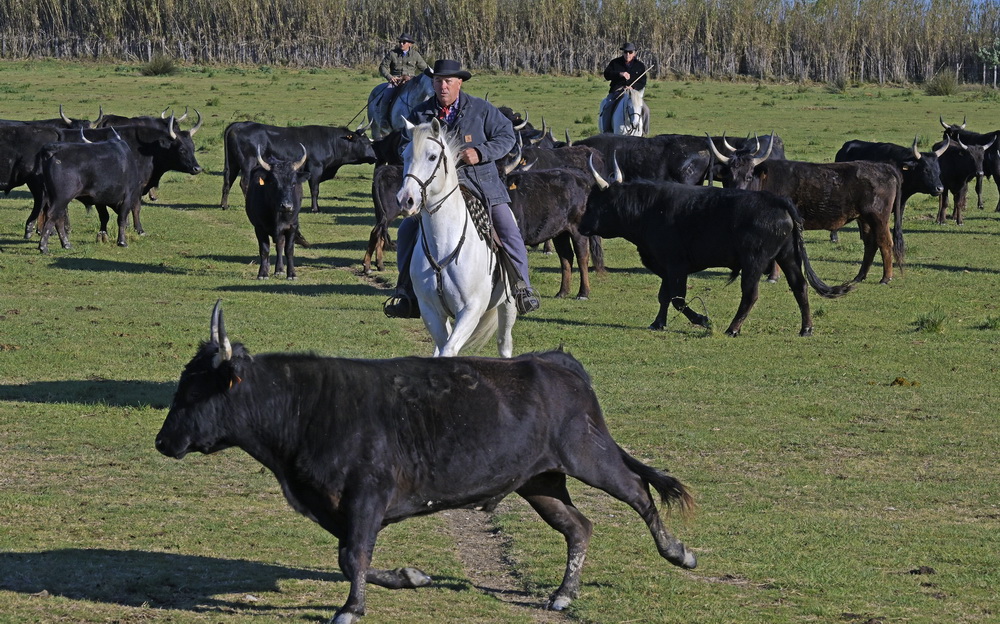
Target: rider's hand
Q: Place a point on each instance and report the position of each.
(469, 156)
(626, 75)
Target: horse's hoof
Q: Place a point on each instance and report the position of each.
(558, 603)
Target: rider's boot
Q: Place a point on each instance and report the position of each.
(402, 304)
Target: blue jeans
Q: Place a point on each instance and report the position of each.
(507, 230)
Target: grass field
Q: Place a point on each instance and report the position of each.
(850, 477)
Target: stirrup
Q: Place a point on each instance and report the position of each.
(400, 306)
(526, 300)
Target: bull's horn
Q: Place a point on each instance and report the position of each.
(170, 127)
(509, 168)
(601, 182)
(726, 144)
(261, 161)
(529, 165)
(117, 136)
(916, 152)
(184, 116)
(197, 126)
(218, 337)
(960, 144)
(569, 141)
(408, 124)
(163, 113)
(364, 128)
(83, 138)
(990, 144)
(66, 120)
(770, 146)
(298, 164)
(619, 176)
(524, 123)
(938, 152)
(100, 116)
(715, 152)
(544, 127)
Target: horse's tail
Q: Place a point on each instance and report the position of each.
(486, 329)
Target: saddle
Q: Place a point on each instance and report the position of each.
(480, 215)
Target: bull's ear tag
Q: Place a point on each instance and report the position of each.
(260, 181)
(512, 187)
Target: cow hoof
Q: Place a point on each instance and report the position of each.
(292, 277)
(122, 244)
(732, 333)
(885, 280)
(582, 298)
(344, 618)
(102, 237)
(657, 326)
(261, 277)
(558, 603)
(414, 577)
(772, 280)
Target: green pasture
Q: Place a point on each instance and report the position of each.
(850, 477)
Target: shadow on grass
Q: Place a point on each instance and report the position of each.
(112, 392)
(281, 286)
(106, 266)
(135, 578)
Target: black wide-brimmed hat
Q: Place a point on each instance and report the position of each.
(405, 38)
(445, 68)
(628, 47)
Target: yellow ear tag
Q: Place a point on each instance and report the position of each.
(512, 187)
(260, 181)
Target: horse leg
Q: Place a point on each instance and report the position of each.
(548, 496)
(466, 321)
(506, 315)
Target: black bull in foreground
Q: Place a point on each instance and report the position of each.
(360, 444)
(681, 229)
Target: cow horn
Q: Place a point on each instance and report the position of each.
(197, 126)
(170, 127)
(960, 144)
(301, 161)
(770, 146)
(508, 169)
(715, 152)
(569, 141)
(262, 162)
(100, 116)
(66, 120)
(544, 127)
(601, 182)
(408, 124)
(184, 116)
(529, 165)
(218, 337)
(938, 152)
(725, 144)
(364, 128)
(990, 144)
(163, 113)
(916, 152)
(83, 138)
(117, 136)
(524, 123)
(619, 176)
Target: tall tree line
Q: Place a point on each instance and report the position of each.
(824, 40)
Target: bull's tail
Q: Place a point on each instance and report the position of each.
(672, 491)
(898, 246)
(821, 288)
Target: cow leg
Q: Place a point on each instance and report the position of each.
(960, 199)
(582, 246)
(135, 218)
(290, 256)
(264, 249)
(799, 287)
(279, 252)
(364, 517)
(53, 218)
(564, 249)
(548, 496)
(834, 237)
(875, 237)
(979, 191)
(942, 207)
(673, 289)
(122, 225)
(749, 284)
(314, 191)
(36, 220)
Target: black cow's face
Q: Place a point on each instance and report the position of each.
(196, 418)
(924, 174)
(357, 148)
(600, 218)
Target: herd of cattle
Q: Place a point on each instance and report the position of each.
(113, 161)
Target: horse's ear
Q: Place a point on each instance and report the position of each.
(436, 126)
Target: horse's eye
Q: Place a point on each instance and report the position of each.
(433, 157)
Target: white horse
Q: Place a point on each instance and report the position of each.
(454, 272)
(630, 116)
(386, 114)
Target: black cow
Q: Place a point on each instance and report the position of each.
(449, 433)
(830, 195)
(959, 165)
(386, 182)
(274, 198)
(103, 174)
(680, 158)
(681, 229)
(156, 151)
(329, 149)
(19, 148)
(548, 205)
(991, 160)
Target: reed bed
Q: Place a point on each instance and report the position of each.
(883, 41)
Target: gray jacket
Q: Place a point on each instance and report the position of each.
(480, 125)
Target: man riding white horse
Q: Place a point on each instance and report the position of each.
(485, 136)
(626, 73)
